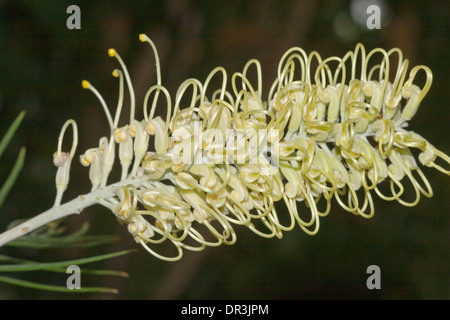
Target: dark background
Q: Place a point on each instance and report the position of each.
(42, 64)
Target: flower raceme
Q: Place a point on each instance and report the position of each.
(337, 130)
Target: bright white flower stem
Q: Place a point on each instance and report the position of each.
(74, 206)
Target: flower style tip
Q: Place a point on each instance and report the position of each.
(85, 84)
(62, 160)
(143, 37)
(112, 52)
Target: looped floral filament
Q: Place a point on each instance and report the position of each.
(402, 68)
(148, 117)
(384, 135)
(196, 85)
(222, 90)
(63, 160)
(258, 73)
(291, 54)
(431, 163)
(143, 38)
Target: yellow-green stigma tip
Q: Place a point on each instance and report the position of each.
(143, 37)
(85, 84)
(112, 52)
(115, 73)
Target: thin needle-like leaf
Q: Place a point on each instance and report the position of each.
(123, 274)
(61, 264)
(12, 177)
(10, 133)
(48, 243)
(47, 287)
(50, 236)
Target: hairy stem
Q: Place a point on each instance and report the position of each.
(74, 206)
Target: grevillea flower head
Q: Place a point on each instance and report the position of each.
(334, 131)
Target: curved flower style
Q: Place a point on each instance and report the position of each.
(337, 130)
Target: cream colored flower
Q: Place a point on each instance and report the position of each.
(218, 161)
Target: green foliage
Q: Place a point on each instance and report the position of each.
(52, 236)
(12, 177)
(19, 265)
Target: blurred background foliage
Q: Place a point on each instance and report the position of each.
(42, 64)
